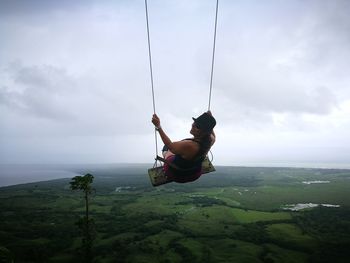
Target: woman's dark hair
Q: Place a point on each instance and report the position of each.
(205, 144)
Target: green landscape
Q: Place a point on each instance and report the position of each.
(236, 214)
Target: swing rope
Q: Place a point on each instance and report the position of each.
(212, 61)
(151, 71)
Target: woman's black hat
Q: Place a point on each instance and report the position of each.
(205, 122)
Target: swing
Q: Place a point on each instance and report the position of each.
(157, 174)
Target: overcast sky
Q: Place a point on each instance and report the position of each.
(75, 80)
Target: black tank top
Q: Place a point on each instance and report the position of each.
(189, 165)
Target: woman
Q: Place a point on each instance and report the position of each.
(187, 154)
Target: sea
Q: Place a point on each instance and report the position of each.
(13, 174)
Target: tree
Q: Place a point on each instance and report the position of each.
(5, 255)
(83, 183)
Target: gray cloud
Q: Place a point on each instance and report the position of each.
(11, 7)
(37, 91)
(290, 62)
(82, 79)
(79, 105)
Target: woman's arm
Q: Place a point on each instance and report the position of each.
(166, 140)
(181, 147)
(156, 121)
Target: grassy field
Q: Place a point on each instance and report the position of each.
(233, 215)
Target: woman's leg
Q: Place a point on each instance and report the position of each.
(167, 154)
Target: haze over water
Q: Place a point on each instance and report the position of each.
(11, 174)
